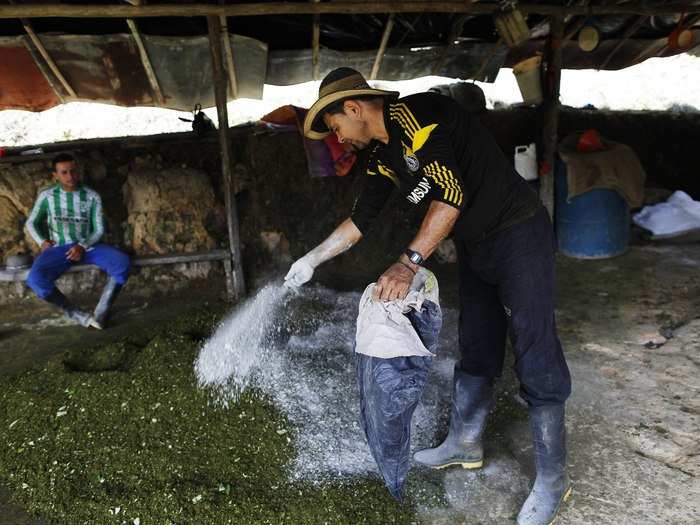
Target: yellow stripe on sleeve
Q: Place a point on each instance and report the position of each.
(446, 180)
(402, 122)
(407, 113)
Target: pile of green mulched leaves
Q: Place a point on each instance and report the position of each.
(121, 434)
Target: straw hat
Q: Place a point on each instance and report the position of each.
(340, 84)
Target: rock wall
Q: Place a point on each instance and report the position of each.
(164, 194)
(19, 185)
(170, 210)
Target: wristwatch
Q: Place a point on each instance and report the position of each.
(414, 256)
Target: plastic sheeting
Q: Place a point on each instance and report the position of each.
(390, 390)
(462, 60)
(108, 69)
(679, 214)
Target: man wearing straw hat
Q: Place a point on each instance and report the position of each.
(433, 152)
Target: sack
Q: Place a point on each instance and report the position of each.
(391, 387)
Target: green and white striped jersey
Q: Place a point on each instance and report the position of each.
(69, 216)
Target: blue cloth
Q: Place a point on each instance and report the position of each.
(390, 390)
(52, 263)
(507, 284)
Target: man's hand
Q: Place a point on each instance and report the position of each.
(75, 253)
(301, 272)
(46, 245)
(394, 283)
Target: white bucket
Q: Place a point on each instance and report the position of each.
(525, 160)
(527, 74)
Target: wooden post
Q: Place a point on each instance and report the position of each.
(228, 49)
(550, 111)
(235, 284)
(382, 47)
(316, 46)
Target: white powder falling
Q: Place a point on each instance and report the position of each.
(231, 357)
(298, 349)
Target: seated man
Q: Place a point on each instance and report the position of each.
(71, 214)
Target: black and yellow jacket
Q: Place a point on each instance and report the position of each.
(438, 151)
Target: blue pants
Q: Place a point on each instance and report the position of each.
(506, 283)
(52, 263)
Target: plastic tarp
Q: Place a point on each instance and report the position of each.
(22, 83)
(390, 388)
(108, 69)
(462, 60)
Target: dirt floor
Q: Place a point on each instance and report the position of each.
(631, 330)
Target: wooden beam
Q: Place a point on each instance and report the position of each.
(575, 28)
(633, 28)
(644, 52)
(571, 28)
(49, 61)
(50, 79)
(382, 47)
(550, 111)
(340, 7)
(315, 45)
(181, 258)
(484, 64)
(146, 61)
(454, 33)
(235, 282)
(228, 51)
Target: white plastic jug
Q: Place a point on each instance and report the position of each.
(526, 161)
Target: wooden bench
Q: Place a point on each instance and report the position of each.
(153, 260)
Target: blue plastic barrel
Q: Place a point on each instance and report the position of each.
(593, 225)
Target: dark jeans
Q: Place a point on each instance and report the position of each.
(506, 284)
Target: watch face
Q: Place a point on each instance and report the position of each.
(414, 257)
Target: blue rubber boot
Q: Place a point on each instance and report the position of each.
(552, 486)
(472, 400)
(109, 294)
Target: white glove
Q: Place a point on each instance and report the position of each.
(300, 272)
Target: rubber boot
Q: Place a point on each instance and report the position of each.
(109, 294)
(472, 400)
(56, 298)
(552, 486)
